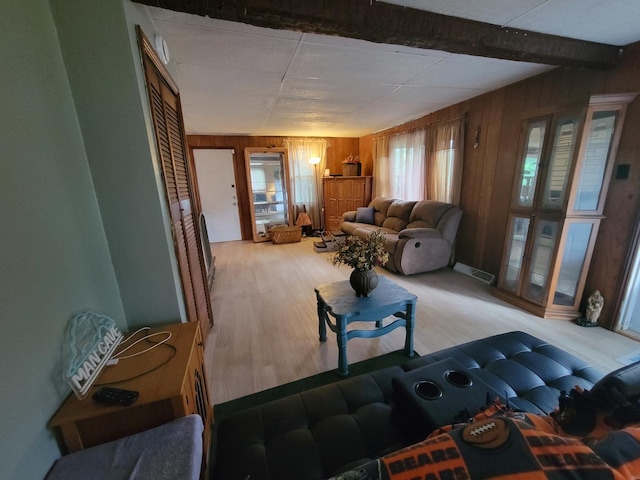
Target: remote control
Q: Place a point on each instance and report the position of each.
(115, 396)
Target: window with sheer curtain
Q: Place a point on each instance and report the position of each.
(421, 165)
(400, 166)
(444, 149)
(305, 178)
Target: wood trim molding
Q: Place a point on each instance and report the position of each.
(147, 48)
(392, 24)
(613, 99)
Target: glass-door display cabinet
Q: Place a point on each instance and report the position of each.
(267, 178)
(560, 186)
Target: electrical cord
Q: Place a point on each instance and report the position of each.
(174, 352)
(146, 337)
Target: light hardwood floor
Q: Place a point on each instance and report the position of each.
(266, 325)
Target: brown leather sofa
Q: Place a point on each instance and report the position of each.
(420, 234)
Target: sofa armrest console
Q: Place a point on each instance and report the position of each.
(530, 373)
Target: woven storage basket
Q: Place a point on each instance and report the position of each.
(350, 169)
(285, 234)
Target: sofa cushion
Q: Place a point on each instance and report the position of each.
(398, 215)
(427, 213)
(392, 242)
(365, 215)
(313, 434)
(363, 231)
(381, 204)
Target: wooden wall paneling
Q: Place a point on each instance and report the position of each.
(547, 82)
(562, 86)
(475, 166)
(532, 99)
(580, 88)
(471, 171)
(619, 80)
(338, 150)
(365, 147)
(597, 80)
(503, 179)
(489, 185)
(635, 77)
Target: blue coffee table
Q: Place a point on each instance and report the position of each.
(339, 301)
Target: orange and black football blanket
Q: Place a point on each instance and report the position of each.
(514, 446)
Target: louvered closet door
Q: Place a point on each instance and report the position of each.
(167, 118)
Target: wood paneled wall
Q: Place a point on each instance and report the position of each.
(495, 119)
(337, 150)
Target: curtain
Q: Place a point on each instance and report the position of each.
(381, 176)
(305, 179)
(406, 166)
(444, 158)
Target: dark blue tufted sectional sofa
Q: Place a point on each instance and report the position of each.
(324, 431)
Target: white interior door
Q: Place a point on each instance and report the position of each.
(217, 185)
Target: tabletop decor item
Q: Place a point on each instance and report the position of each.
(594, 307)
(362, 255)
(351, 166)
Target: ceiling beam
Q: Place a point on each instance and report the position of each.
(392, 24)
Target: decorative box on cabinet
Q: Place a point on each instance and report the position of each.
(566, 161)
(171, 382)
(343, 194)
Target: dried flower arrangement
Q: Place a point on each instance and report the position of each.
(362, 254)
(351, 159)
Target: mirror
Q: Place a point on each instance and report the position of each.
(267, 179)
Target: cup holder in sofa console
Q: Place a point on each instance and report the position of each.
(428, 390)
(438, 394)
(458, 379)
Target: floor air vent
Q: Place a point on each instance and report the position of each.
(484, 277)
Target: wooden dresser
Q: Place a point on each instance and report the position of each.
(343, 194)
(170, 379)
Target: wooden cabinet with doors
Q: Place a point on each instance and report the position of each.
(343, 194)
(166, 113)
(566, 160)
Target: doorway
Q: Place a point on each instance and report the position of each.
(218, 195)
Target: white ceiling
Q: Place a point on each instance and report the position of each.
(238, 79)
